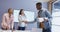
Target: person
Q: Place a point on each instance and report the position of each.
(22, 20)
(44, 13)
(7, 20)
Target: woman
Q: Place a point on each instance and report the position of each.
(7, 20)
(22, 20)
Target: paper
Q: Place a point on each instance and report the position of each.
(46, 18)
(40, 19)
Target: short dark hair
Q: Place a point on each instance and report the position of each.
(39, 3)
(20, 11)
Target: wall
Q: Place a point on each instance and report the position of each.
(18, 4)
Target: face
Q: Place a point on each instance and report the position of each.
(10, 11)
(38, 7)
(22, 12)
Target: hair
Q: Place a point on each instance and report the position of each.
(9, 9)
(20, 11)
(39, 3)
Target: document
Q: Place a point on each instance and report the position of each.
(40, 19)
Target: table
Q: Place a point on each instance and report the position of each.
(22, 31)
(33, 30)
(5, 30)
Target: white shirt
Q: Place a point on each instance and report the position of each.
(21, 19)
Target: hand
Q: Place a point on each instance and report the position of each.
(4, 24)
(8, 27)
(45, 19)
(25, 21)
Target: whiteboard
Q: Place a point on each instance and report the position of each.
(29, 15)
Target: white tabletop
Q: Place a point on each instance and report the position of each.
(33, 30)
(22, 31)
(5, 31)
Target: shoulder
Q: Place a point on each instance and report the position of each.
(5, 14)
(44, 9)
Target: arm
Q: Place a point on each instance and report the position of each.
(12, 22)
(3, 22)
(48, 15)
(12, 25)
(22, 20)
(19, 19)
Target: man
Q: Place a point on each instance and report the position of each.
(43, 13)
(7, 20)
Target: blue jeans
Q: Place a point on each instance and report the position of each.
(21, 28)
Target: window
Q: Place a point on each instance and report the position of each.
(56, 17)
